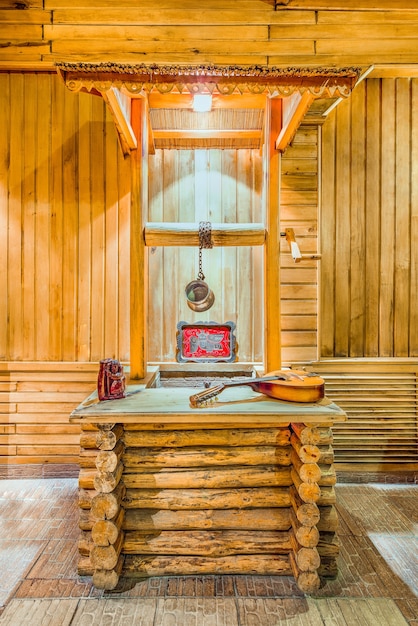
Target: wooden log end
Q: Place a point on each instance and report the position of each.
(308, 582)
(309, 492)
(307, 537)
(308, 559)
(104, 533)
(108, 579)
(308, 514)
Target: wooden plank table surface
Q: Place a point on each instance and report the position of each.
(171, 405)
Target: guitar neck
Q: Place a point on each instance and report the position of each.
(199, 398)
(251, 381)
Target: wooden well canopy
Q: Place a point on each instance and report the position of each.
(284, 96)
(239, 99)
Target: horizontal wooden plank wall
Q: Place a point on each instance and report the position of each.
(299, 281)
(380, 397)
(369, 209)
(36, 399)
(301, 32)
(64, 230)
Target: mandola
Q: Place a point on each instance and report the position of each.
(288, 385)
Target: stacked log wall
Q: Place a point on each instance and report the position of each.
(207, 501)
(210, 501)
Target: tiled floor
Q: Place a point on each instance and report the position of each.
(377, 583)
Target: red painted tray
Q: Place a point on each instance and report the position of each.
(206, 341)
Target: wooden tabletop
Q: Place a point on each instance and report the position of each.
(167, 405)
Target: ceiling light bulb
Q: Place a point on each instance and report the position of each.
(202, 102)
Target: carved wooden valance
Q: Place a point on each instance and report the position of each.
(141, 79)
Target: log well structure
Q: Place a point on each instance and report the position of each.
(82, 182)
(242, 487)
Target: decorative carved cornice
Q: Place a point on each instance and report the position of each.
(141, 79)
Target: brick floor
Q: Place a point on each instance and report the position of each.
(377, 583)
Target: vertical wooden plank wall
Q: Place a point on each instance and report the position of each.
(64, 254)
(66, 193)
(65, 190)
(226, 186)
(369, 223)
(218, 186)
(369, 341)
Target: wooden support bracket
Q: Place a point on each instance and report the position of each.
(119, 105)
(295, 108)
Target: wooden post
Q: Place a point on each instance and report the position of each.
(272, 336)
(138, 263)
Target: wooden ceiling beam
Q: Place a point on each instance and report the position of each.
(182, 234)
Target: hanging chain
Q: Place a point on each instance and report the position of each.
(205, 241)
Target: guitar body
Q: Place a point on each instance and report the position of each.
(287, 385)
(296, 386)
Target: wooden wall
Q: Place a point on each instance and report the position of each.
(251, 32)
(380, 397)
(64, 254)
(64, 235)
(64, 247)
(369, 279)
(299, 281)
(36, 399)
(218, 186)
(369, 227)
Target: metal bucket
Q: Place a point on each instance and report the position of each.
(199, 296)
